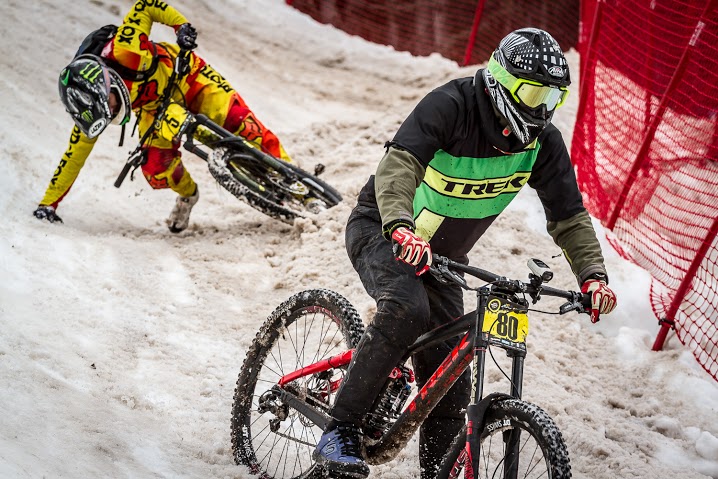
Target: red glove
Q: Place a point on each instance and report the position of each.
(603, 300)
(412, 249)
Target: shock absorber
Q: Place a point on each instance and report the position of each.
(389, 403)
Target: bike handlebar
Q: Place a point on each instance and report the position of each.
(444, 268)
(136, 158)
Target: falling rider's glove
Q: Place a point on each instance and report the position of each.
(603, 300)
(186, 37)
(411, 249)
(47, 213)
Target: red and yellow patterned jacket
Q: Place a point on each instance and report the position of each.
(132, 49)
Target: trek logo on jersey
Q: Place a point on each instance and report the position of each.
(475, 189)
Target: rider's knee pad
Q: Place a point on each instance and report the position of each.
(164, 169)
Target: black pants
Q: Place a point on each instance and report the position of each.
(407, 307)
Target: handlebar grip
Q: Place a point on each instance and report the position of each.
(123, 174)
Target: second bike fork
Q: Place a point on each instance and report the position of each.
(478, 405)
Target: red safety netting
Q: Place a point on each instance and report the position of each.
(466, 31)
(646, 138)
(646, 151)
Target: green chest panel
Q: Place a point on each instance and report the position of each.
(470, 188)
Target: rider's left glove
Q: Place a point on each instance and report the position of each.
(411, 249)
(47, 213)
(603, 299)
(187, 37)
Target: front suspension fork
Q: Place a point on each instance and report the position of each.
(478, 406)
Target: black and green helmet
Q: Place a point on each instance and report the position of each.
(527, 78)
(85, 86)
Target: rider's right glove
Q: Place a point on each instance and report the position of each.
(187, 37)
(47, 213)
(411, 249)
(603, 300)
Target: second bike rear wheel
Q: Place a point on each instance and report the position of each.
(284, 193)
(268, 436)
(541, 450)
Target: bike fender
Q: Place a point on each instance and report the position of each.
(479, 410)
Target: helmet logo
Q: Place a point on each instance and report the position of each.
(66, 77)
(90, 72)
(556, 71)
(96, 128)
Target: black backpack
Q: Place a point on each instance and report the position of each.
(96, 41)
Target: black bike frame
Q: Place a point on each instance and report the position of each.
(470, 350)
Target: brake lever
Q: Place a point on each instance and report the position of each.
(440, 270)
(182, 63)
(135, 160)
(568, 307)
(578, 303)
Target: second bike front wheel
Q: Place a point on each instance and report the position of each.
(285, 193)
(542, 452)
(271, 438)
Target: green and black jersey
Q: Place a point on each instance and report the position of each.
(450, 172)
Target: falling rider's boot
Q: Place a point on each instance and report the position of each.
(179, 217)
(339, 453)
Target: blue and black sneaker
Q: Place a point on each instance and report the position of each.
(338, 452)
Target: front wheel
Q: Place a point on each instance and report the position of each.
(276, 188)
(269, 436)
(541, 452)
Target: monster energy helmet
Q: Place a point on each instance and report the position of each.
(527, 78)
(85, 86)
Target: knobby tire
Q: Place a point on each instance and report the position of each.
(308, 327)
(255, 189)
(543, 452)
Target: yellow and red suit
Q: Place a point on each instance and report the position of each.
(202, 90)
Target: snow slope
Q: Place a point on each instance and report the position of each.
(121, 342)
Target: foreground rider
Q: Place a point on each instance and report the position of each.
(456, 162)
(130, 74)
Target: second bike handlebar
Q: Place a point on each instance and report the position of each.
(134, 161)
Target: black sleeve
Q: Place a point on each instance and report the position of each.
(554, 179)
(429, 127)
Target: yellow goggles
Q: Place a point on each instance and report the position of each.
(528, 92)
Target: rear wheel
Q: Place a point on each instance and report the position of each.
(268, 436)
(285, 193)
(541, 450)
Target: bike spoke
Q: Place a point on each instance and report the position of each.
(281, 439)
(533, 461)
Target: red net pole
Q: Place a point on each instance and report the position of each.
(474, 31)
(588, 55)
(685, 286)
(650, 133)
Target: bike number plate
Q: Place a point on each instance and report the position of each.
(506, 320)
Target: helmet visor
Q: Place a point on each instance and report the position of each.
(534, 95)
(527, 92)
